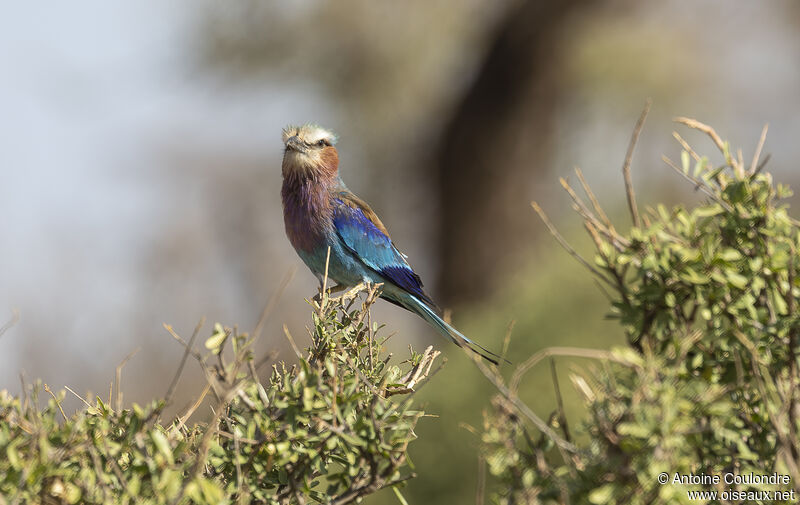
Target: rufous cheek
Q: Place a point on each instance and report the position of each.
(330, 160)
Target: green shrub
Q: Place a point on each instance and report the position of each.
(709, 387)
(331, 429)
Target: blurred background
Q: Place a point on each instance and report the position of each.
(140, 152)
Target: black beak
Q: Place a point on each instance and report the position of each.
(295, 144)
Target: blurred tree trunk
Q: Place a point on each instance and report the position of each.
(496, 144)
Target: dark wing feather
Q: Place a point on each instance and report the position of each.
(366, 237)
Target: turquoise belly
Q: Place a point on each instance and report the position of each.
(343, 267)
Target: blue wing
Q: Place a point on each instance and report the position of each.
(365, 236)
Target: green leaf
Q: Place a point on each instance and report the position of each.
(162, 444)
(212, 493)
(693, 277)
(708, 211)
(602, 495)
(214, 343)
(634, 430)
(730, 255)
(13, 457)
(399, 495)
(736, 279)
(685, 161)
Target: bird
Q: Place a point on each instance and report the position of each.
(335, 231)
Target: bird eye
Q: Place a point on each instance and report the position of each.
(322, 142)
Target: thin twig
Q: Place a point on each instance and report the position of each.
(205, 446)
(224, 398)
(697, 125)
(592, 198)
(562, 241)
(236, 457)
(595, 235)
(276, 295)
(416, 373)
(793, 348)
(480, 487)
(373, 293)
(78, 397)
(267, 357)
(262, 394)
(763, 163)
(697, 183)
(626, 167)
(186, 346)
(182, 420)
(25, 400)
(322, 295)
(507, 338)
(559, 401)
(352, 495)
(686, 147)
(526, 411)
(231, 436)
(370, 338)
(291, 341)
(757, 155)
(115, 468)
(11, 322)
(603, 290)
(186, 352)
(118, 377)
(47, 388)
(581, 208)
(98, 468)
(573, 352)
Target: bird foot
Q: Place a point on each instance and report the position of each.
(352, 292)
(347, 295)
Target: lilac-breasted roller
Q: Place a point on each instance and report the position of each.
(321, 213)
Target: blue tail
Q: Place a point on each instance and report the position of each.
(427, 313)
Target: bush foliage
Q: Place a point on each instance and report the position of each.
(707, 298)
(330, 429)
(708, 386)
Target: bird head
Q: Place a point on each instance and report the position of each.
(309, 151)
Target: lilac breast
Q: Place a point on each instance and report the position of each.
(307, 212)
